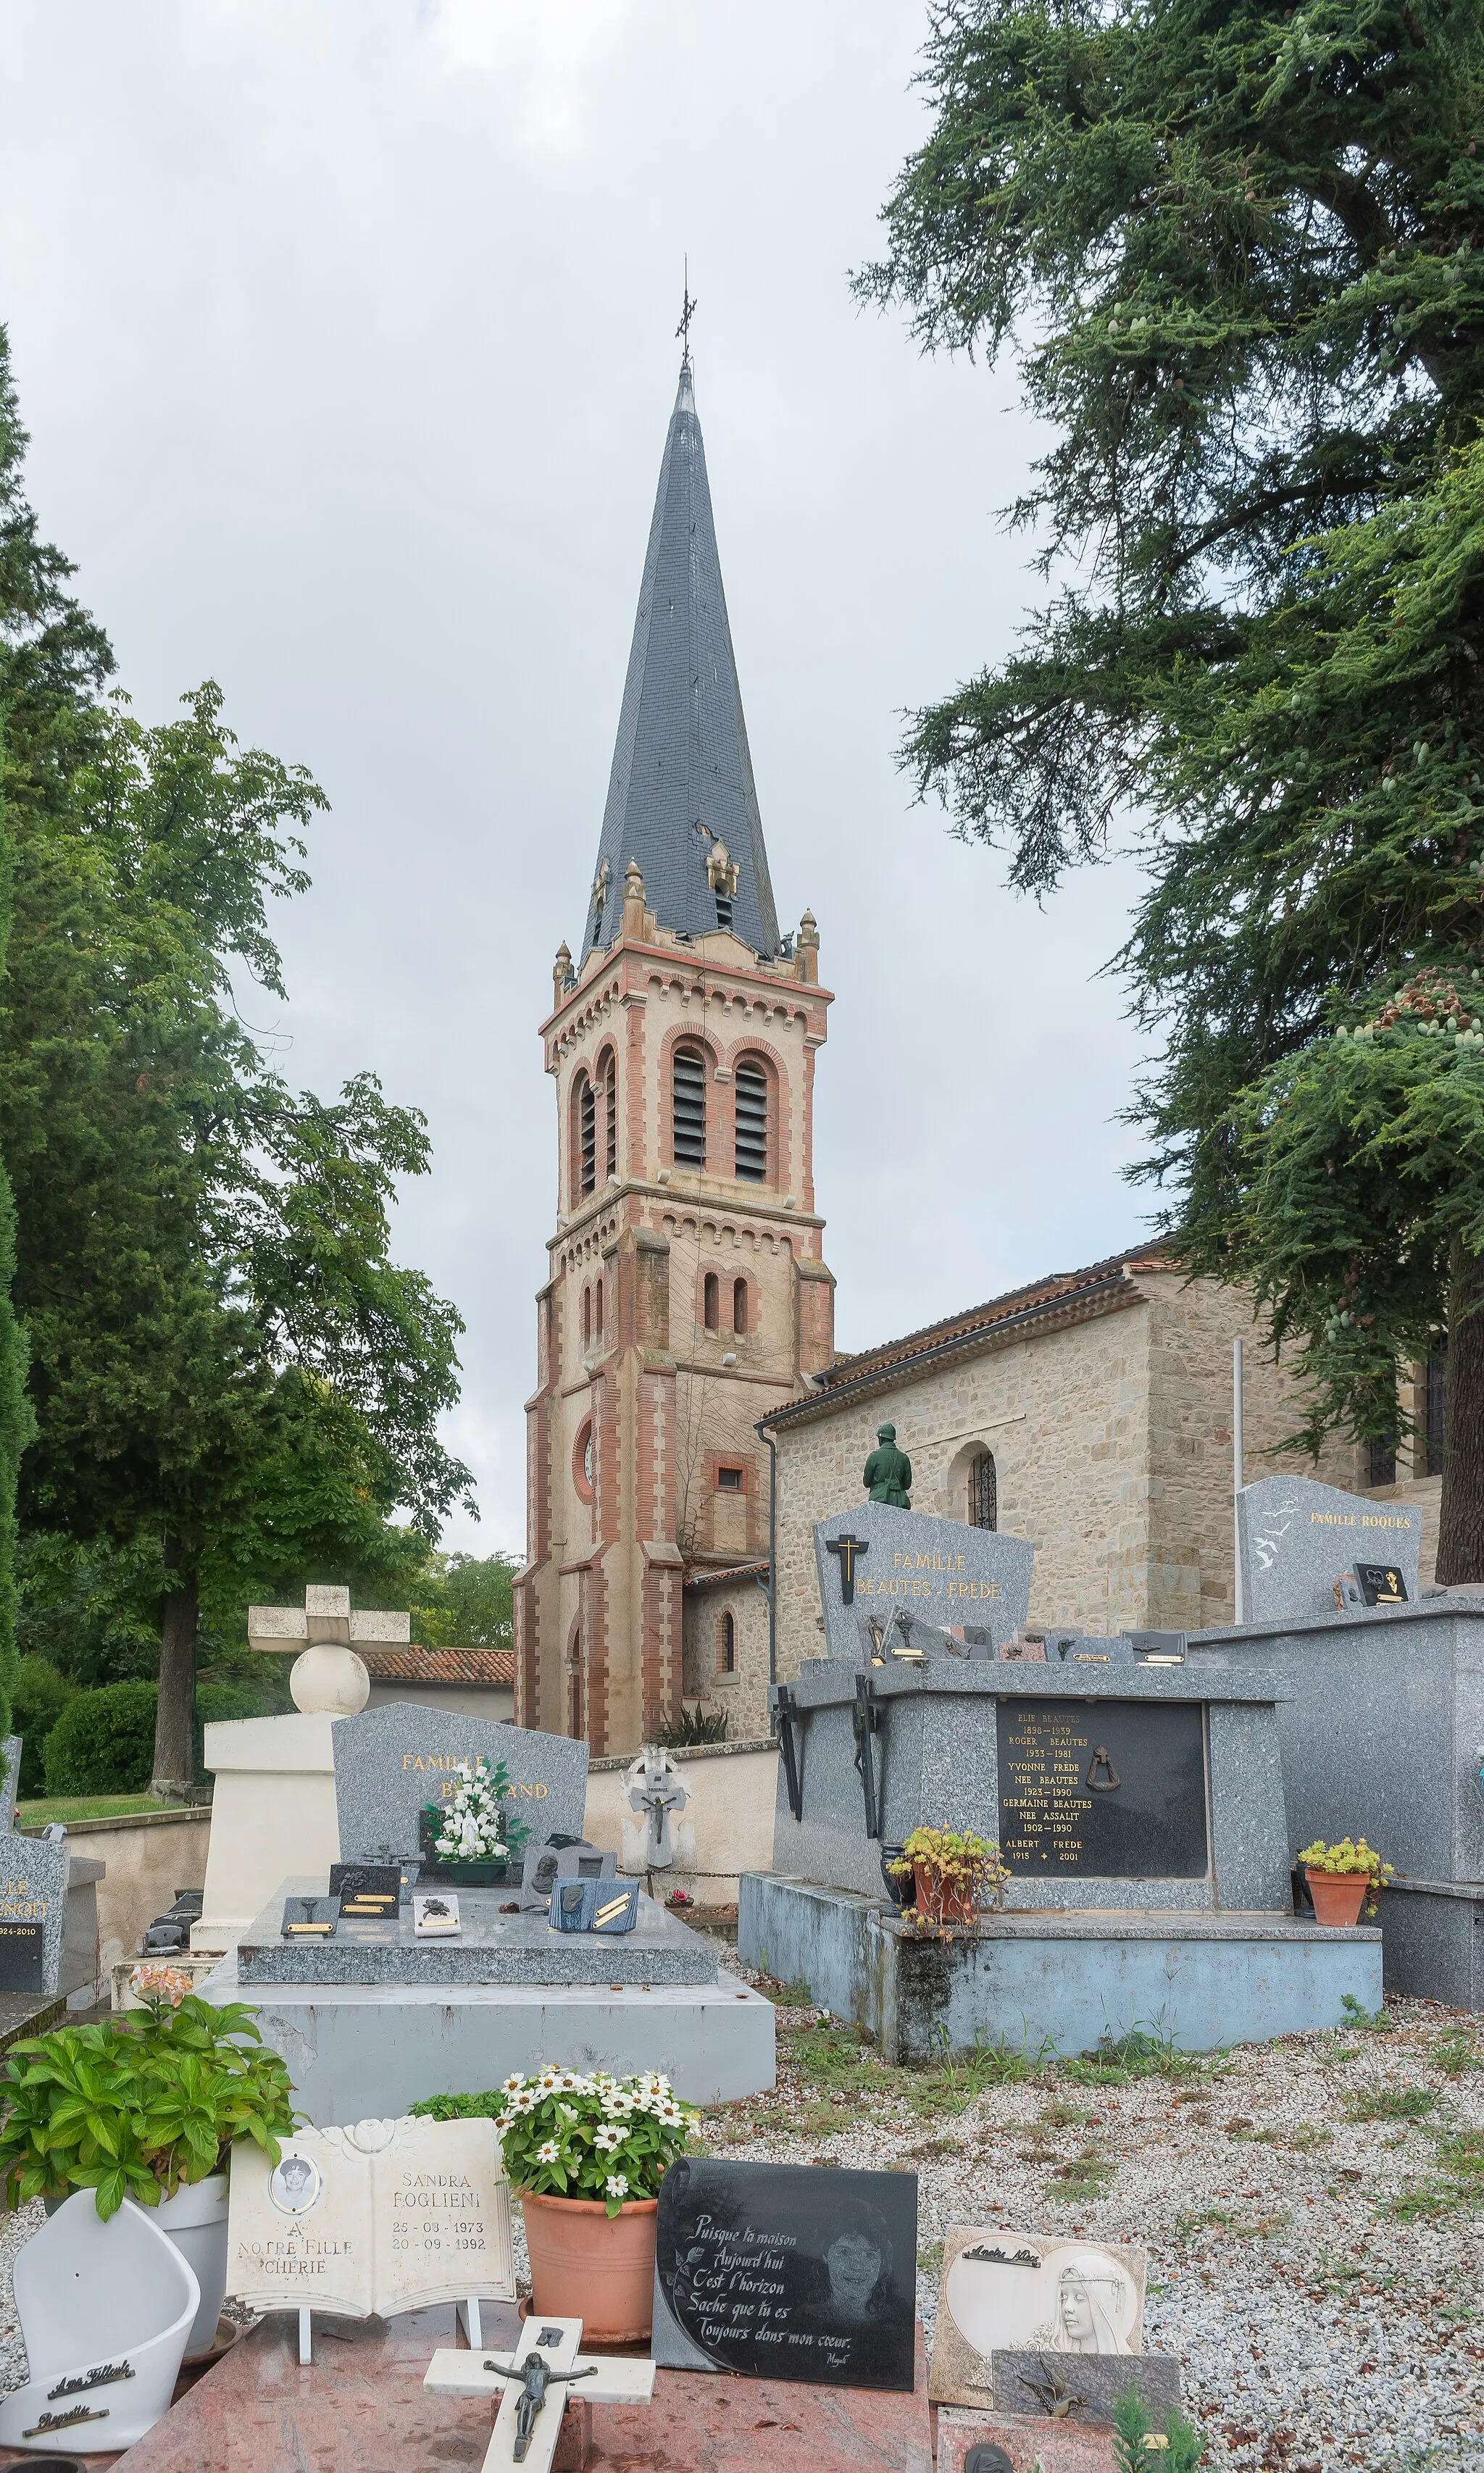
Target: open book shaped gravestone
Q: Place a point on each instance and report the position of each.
(384, 2215)
(105, 2310)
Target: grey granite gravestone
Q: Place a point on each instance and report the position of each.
(10, 1754)
(874, 1561)
(1296, 1536)
(390, 1760)
(33, 1904)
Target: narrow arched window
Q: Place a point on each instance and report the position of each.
(726, 1646)
(983, 1493)
(587, 1316)
(611, 1119)
(711, 1301)
(752, 1123)
(597, 1311)
(587, 1137)
(739, 1308)
(688, 1094)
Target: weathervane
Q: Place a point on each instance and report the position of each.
(687, 312)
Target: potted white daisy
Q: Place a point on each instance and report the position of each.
(586, 2151)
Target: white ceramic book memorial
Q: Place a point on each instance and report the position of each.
(384, 2215)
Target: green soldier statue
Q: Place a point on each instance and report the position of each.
(889, 1472)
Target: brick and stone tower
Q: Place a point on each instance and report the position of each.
(686, 1290)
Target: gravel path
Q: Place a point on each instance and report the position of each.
(1313, 2211)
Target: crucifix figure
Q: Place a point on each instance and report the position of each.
(327, 1675)
(846, 1547)
(687, 312)
(656, 1790)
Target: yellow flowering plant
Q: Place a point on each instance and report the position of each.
(962, 1861)
(1347, 1858)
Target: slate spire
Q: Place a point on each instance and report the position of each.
(681, 781)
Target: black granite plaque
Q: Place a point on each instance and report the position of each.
(1112, 1790)
(366, 1889)
(21, 1957)
(787, 2271)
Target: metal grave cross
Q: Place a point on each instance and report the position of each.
(846, 1547)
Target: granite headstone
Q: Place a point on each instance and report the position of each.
(10, 1754)
(786, 2272)
(874, 1561)
(33, 1891)
(1296, 1536)
(390, 1760)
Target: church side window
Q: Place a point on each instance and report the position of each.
(688, 1096)
(610, 1094)
(726, 1646)
(752, 1123)
(739, 1308)
(587, 1316)
(597, 1311)
(587, 1136)
(711, 1301)
(983, 1493)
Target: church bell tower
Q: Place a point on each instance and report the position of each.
(686, 1293)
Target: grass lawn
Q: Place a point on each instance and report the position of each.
(86, 1807)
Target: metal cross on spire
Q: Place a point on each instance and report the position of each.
(687, 312)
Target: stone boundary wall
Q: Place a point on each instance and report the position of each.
(726, 1829)
(149, 1855)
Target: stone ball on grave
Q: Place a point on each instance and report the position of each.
(330, 1680)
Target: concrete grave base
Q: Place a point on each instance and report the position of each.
(1056, 1980)
(1432, 1941)
(359, 2050)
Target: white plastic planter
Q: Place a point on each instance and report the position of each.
(123, 2291)
(195, 2220)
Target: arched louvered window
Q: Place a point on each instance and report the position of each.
(688, 1091)
(726, 1646)
(983, 1493)
(587, 1137)
(753, 1122)
(739, 1308)
(711, 1301)
(612, 1119)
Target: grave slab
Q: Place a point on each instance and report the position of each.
(1380, 1717)
(359, 2050)
(33, 1885)
(936, 1758)
(491, 1948)
(874, 1562)
(1032, 2444)
(363, 2405)
(1295, 1538)
(390, 1760)
(1064, 1979)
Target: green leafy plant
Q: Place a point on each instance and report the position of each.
(1182, 2451)
(1375, 2022)
(691, 1726)
(137, 2107)
(570, 2135)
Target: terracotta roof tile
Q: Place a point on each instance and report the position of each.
(440, 1664)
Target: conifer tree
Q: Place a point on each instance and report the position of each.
(1239, 251)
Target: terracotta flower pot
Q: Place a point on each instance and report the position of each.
(942, 1901)
(1338, 1896)
(588, 2265)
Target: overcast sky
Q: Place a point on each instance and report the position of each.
(345, 333)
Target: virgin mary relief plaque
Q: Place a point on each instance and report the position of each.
(1011, 2291)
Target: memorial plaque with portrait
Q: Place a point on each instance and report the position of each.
(1029, 2291)
(1111, 1790)
(787, 2271)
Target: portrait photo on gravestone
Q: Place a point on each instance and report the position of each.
(787, 2272)
(1004, 2289)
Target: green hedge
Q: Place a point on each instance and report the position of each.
(39, 1699)
(104, 1741)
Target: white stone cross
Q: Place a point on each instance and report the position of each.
(656, 1790)
(327, 1674)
